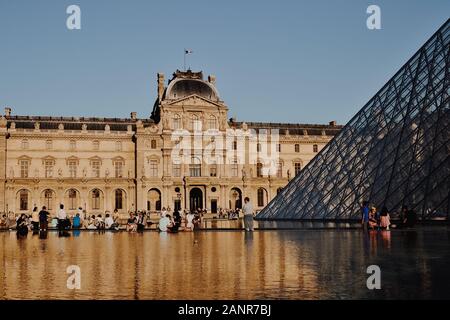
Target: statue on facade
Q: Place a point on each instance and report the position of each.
(106, 173)
(60, 172)
(84, 172)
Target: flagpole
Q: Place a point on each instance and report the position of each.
(184, 65)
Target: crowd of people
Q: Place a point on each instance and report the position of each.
(372, 219)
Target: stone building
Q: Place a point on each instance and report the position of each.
(188, 154)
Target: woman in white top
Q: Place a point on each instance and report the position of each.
(189, 221)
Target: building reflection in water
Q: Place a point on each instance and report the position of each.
(306, 264)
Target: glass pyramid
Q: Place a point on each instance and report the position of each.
(395, 151)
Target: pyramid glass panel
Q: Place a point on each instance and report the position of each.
(395, 151)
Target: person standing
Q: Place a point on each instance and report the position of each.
(247, 209)
(62, 218)
(35, 219)
(43, 219)
(365, 216)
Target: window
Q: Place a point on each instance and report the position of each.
(118, 199)
(24, 166)
(176, 122)
(118, 169)
(153, 144)
(23, 200)
(297, 147)
(234, 168)
(48, 165)
(195, 168)
(297, 167)
(176, 170)
(315, 148)
(261, 192)
(212, 123)
(280, 170)
(49, 144)
(73, 145)
(95, 199)
(234, 145)
(259, 167)
(95, 168)
(258, 147)
(196, 123)
(213, 170)
(72, 199)
(153, 168)
(96, 145)
(278, 147)
(48, 199)
(24, 144)
(72, 168)
(118, 145)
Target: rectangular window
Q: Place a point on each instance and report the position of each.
(72, 168)
(24, 164)
(49, 144)
(96, 169)
(118, 146)
(25, 144)
(176, 170)
(176, 123)
(212, 123)
(297, 167)
(118, 169)
(153, 168)
(73, 144)
(95, 145)
(234, 168)
(278, 147)
(258, 147)
(315, 148)
(195, 170)
(280, 170)
(213, 170)
(48, 164)
(297, 148)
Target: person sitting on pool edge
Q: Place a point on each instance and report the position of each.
(164, 223)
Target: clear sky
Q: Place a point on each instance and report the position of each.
(278, 61)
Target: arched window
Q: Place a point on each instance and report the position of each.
(23, 200)
(297, 167)
(72, 193)
(95, 198)
(48, 199)
(261, 197)
(118, 199)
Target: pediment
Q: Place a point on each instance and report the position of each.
(194, 100)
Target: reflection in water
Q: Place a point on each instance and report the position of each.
(288, 264)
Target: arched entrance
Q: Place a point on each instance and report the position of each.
(235, 199)
(154, 200)
(195, 199)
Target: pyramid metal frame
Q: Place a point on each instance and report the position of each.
(395, 151)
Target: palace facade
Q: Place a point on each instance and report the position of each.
(187, 155)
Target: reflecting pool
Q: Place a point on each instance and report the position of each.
(271, 264)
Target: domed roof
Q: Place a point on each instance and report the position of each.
(187, 83)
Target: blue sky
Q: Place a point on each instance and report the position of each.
(278, 61)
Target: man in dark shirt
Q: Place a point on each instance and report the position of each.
(365, 216)
(43, 216)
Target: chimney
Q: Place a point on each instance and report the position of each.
(133, 115)
(332, 123)
(160, 86)
(212, 79)
(7, 111)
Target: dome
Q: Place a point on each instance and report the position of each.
(183, 85)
